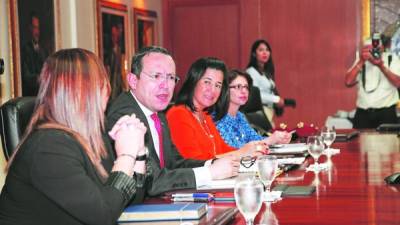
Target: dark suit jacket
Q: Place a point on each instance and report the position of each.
(31, 63)
(178, 172)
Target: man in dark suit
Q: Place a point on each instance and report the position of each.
(152, 81)
(32, 58)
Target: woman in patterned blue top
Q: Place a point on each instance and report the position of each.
(233, 127)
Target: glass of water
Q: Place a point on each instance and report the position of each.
(248, 196)
(267, 165)
(315, 148)
(328, 135)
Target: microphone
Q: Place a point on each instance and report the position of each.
(289, 102)
(1, 66)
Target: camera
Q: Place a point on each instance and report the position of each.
(1, 66)
(375, 51)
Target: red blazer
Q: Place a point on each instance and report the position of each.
(191, 138)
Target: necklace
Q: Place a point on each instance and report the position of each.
(206, 129)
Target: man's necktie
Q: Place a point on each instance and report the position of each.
(157, 124)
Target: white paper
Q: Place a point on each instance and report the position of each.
(283, 161)
(272, 196)
(290, 149)
(219, 184)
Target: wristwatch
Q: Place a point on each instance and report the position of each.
(144, 156)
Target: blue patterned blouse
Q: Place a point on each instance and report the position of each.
(236, 131)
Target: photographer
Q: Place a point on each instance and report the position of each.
(377, 75)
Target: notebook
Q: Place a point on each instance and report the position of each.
(289, 190)
(163, 212)
(215, 216)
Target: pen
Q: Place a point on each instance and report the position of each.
(192, 195)
(190, 199)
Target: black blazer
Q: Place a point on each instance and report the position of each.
(52, 181)
(178, 172)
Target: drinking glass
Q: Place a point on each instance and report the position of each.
(315, 148)
(328, 135)
(248, 197)
(267, 166)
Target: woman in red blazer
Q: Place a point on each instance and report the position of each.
(193, 131)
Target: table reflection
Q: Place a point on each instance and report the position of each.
(267, 216)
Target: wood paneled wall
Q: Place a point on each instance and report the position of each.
(313, 44)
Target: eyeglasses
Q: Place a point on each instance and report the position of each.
(240, 87)
(247, 161)
(159, 77)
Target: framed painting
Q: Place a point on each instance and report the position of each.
(113, 43)
(385, 19)
(145, 27)
(33, 40)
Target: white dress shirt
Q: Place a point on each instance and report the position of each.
(379, 92)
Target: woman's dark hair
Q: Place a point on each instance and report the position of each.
(233, 74)
(195, 73)
(269, 68)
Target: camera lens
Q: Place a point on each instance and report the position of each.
(376, 53)
(1, 66)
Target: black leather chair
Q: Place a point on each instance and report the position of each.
(254, 112)
(14, 117)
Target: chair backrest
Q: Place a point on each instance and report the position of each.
(14, 117)
(254, 112)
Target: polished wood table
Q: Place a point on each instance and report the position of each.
(352, 191)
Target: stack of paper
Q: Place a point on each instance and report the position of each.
(298, 148)
(219, 184)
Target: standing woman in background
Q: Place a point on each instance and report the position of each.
(64, 170)
(262, 70)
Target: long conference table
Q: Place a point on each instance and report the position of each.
(352, 191)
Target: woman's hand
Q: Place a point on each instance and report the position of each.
(278, 137)
(281, 102)
(128, 134)
(254, 148)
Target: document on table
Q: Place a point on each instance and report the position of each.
(219, 184)
(281, 161)
(298, 148)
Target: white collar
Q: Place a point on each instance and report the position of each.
(147, 112)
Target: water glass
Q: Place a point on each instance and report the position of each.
(315, 148)
(328, 135)
(248, 197)
(267, 166)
